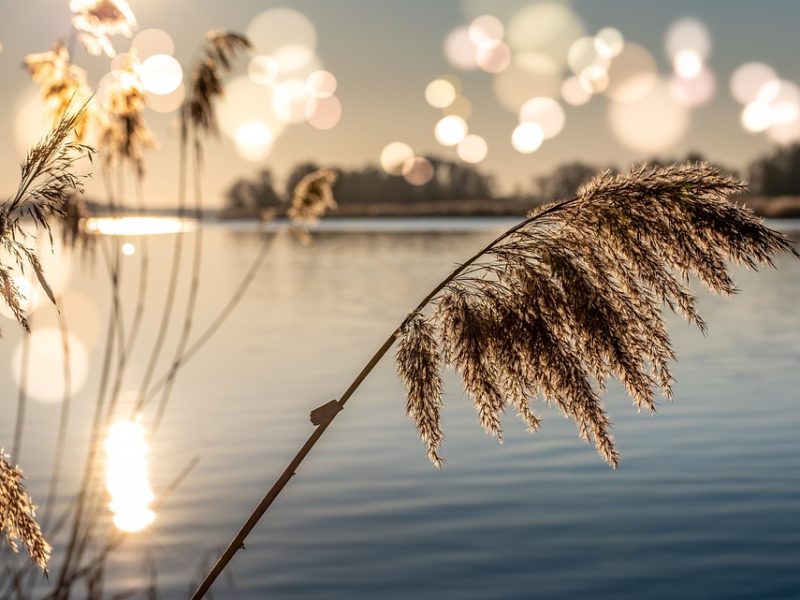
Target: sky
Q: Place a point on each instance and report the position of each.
(384, 54)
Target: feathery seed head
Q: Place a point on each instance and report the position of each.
(97, 20)
(574, 296)
(18, 514)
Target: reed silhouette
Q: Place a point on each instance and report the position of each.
(560, 303)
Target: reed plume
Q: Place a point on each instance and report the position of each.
(312, 197)
(74, 231)
(560, 303)
(47, 179)
(62, 84)
(125, 134)
(573, 297)
(419, 366)
(18, 515)
(97, 20)
(218, 54)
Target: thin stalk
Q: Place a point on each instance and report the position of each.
(191, 302)
(171, 286)
(61, 436)
(212, 328)
(291, 468)
(90, 496)
(89, 466)
(22, 398)
(144, 270)
(63, 422)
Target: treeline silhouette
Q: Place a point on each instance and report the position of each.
(455, 183)
(451, 181)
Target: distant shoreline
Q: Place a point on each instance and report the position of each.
(780, 207)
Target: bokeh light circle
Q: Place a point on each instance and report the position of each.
(246, 101)
(285, 34)
(30, 123)
(459, 49)
(253, 140)
(749, 78)
(440, 93)
(653, 123)
(594, 79)
(263, 69)
(493, 56)
(756, 117)
(546, 113)
(527, 138)
(574, 93)
(289, 100)
(166, 103)
(783, 98)
(418, 171)
(472, 149)
(321, 84)
(609, 42)
(46, 351)
(323, 113)
(687, 63)
(548, 28)
(394, 156)
(450, 130)
(161, 74)
(584, 53)
(485, 28)
(688, 34)
(696, 91)
(152, 41)
(632, 74)
(29, 297)
(529, 74)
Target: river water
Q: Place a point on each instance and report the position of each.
(706, 503)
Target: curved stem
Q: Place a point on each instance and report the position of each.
(22, 399)
(212, 328)
(194, 289)
(76, 531)
(63, 422)
(291, 468)
(171, 286)
(141, 294)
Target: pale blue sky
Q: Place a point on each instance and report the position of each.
(385, 52)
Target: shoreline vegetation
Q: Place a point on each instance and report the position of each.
(777, 207)
(458, 189)
(780, 207)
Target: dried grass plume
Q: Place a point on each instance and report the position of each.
(47, 180)
(18, 515)
(97, 20)
(312, 197)
(206, 86)
(574, 296)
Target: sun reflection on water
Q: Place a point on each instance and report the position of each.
(126, 476)
(138, 225)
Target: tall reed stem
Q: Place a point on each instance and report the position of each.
(291, 468)
(22, 399)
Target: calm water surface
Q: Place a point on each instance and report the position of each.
(705, 505)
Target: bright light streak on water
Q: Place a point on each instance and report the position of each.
(126, 477)
(138, 225)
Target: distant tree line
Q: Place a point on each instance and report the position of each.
(776, 174)
(451, 181)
